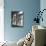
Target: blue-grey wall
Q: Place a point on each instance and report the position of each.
(43, 6)
(29, 7)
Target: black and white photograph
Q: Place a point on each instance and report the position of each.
(17, 18)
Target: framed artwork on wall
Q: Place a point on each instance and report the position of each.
(17, 18)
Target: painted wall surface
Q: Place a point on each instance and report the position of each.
(43, 6)
(29, 7)
(1, 20)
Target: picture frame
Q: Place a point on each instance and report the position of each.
(17, 18)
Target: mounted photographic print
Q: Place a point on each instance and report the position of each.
(17, 18)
